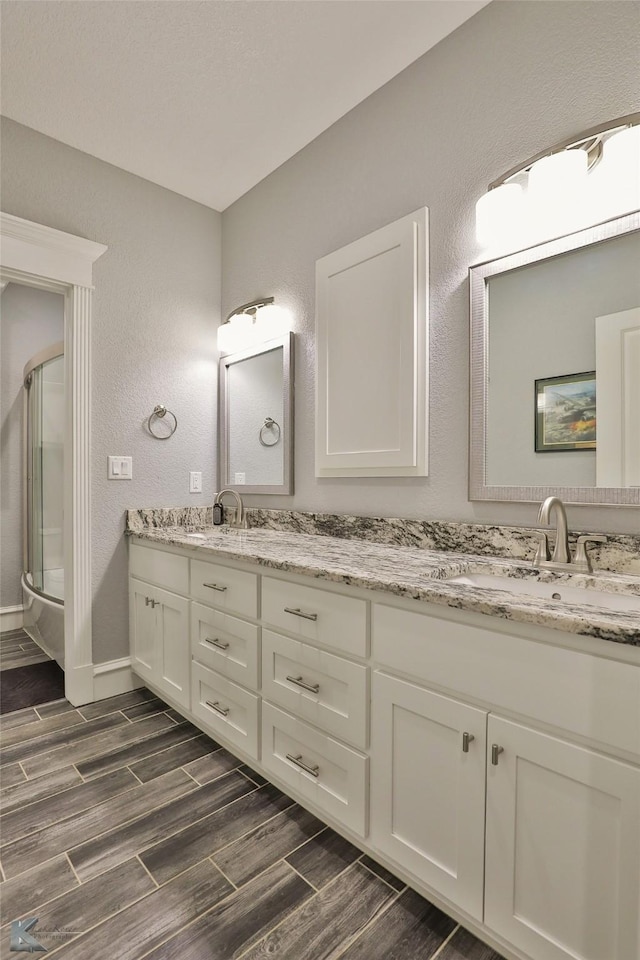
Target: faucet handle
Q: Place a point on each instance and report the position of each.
(582, 558)
(542, 553)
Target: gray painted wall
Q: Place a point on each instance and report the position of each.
(31, 320)
(515, 78)
(156, 309)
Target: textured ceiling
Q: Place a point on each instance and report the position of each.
(205, 98)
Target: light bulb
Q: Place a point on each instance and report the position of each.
(499, 216)
(556, 193)
(273, 321)
(618, 174)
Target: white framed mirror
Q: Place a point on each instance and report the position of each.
(555, 370)
(256, 418)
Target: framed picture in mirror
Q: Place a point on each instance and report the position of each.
(565, 413)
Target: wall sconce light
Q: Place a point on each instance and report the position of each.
(575, 184)
(253, 323)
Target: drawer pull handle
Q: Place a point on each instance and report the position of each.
(214, 642)
(495, 753)
(224, 711)
(466, 740)
(215, 586)
(313, 687)
(299, 762)
(297, 612)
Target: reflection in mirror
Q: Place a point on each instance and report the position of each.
(556, 370)
(256, 418)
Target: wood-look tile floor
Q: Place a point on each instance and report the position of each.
(17, 649)
(128, 833)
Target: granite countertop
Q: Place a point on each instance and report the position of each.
(419, 574)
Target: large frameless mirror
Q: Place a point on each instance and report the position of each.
(256, 418)
(555, 370)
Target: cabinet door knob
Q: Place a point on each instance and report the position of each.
(215, 586)
(214, 642)
(223, 711)
(147, 601)
(313, 687)
(297, 612)
(299, 762)
(495, 753)
(466, 740)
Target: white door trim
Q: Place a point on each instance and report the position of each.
(40, 256)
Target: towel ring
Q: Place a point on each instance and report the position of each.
(160, 411)
(269, 424)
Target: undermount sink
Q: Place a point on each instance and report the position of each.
(558, 592)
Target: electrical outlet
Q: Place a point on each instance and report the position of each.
(241, 478)
(195, 481)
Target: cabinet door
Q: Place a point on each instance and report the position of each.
(371, 354)
(142, 620)
(172, 652)
(563, 847)
(427, 790)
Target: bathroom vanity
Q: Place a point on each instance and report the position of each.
(482, 744)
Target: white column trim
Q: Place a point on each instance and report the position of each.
(113, 678)
(41, 256)
(45, 252)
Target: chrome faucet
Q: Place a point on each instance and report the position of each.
(561, 559)
(239, 518)
(561, 550)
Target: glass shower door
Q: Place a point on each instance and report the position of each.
(45, 449)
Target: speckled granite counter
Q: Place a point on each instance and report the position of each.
(416, 573)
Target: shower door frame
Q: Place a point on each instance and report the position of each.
(49, 259)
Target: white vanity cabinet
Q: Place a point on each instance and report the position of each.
(159, 638)
(533, 834)
(562, 847)
(494, 766)
(428, 786)
(225, 671)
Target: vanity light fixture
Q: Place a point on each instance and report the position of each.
(576, 184)
(253, 323)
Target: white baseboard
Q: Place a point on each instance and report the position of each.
(114, 677)
(11, 618)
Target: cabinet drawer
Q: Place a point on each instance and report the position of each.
(338, 705)
(316, 615)
(231, 590)
(225, 708)
(574, 691)
(225, 644)
(336, 778)
(166, 569)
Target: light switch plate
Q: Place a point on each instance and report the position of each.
(120, 468)
(195, 481)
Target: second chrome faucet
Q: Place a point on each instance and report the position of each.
(561, 559)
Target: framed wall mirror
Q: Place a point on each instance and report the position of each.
(256, 418)
(555, 370)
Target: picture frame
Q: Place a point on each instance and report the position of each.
(565, 413)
